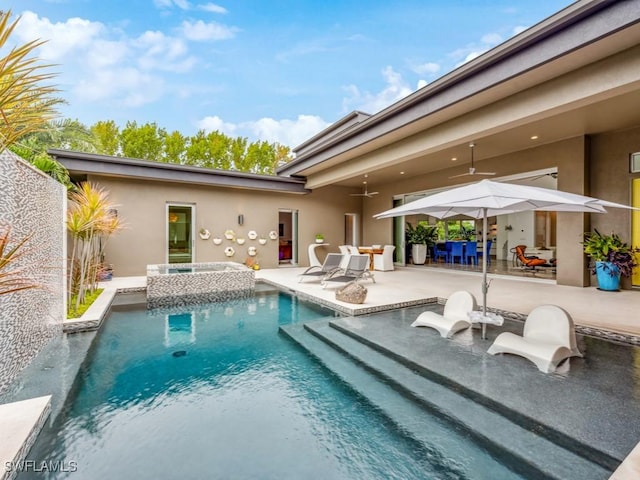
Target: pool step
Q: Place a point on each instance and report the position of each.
(500, 436)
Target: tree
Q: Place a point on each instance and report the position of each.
(90, 221)
(144, 141)
(107, 137)
(26, 103)
(174, 148)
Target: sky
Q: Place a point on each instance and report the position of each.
(273, 70)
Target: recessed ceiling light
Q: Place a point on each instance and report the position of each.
(453, 159)
(366, 175)
(534, 137)
(401, 173)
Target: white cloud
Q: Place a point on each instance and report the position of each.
(201, 31)
(128, 87)
(181, 4)
(156, 51)
(286, 132)
(395, 90)
(211, 124)
(62, 38)
(422, 83)
(213, 8)
(519, 29)
(426, 68)
(474, 50)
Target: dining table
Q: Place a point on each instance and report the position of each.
(371, 251)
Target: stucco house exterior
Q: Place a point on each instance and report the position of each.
(558, 104)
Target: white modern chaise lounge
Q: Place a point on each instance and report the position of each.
(454, 318)
(549, 337)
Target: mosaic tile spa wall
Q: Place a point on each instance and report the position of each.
(33, 204)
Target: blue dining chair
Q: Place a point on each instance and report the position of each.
(471, 251)
(440, 253)
(457, 250)
(489, 242)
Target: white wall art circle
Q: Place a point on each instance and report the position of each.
(273, 235)
(229, 252)
(252, 235)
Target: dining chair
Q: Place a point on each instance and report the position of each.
(480, 252)
(440, 253)
(457, 250)
(471, 251)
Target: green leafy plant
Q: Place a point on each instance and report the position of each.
(611, 249)
(319, 236)
(12, 280)
(421, 234)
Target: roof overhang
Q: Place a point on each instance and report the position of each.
(79, 163)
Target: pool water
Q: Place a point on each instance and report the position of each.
(213, 391)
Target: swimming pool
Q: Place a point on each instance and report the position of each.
(212, 391)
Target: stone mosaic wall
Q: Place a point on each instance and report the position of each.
(200, 286)
(32, 204)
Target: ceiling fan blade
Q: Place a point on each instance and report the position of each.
(461, 175)
(484, 173)
(373, 193)
(358, 194)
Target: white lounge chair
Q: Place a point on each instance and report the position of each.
(549, 338)
(454, 318)
(384, 261)
(331, 263)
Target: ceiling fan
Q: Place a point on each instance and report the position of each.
(366, 193)
(553, 175)
(472, 170)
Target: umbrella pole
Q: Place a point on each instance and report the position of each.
(485, 285)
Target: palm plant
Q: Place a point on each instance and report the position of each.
(90, 221)
(26, 105)
(12, 280)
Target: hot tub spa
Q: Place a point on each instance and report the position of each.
(174, 284)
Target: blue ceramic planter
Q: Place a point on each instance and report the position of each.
(607, 281)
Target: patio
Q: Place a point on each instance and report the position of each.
(613, 314)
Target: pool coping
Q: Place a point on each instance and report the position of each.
(20, 424)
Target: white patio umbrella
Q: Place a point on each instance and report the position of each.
(488, 198)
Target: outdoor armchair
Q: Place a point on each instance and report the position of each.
(548, 338)
(454, 318)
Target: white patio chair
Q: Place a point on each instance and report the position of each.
(549, 338)
(454, 318)
(384, 261)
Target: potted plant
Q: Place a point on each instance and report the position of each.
(420, 238)
(611, 258)
(319, 238)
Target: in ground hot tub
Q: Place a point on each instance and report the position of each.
(174, 284)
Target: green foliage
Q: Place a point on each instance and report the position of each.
(610, 248)
(26, 101)
(53, 168)
(107, 137)
(144, 141)
(174, 147)
(74, 312)
(12, 279)
(422, 233)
